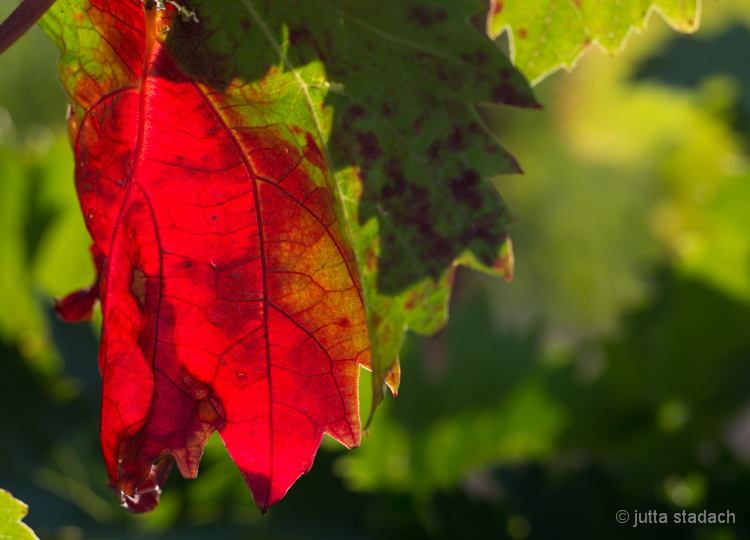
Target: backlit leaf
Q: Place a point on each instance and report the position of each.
(12, 511)
(262, 184)
(548, 34)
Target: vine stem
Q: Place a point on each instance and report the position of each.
(18, 23)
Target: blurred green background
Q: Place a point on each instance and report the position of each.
(613, 373)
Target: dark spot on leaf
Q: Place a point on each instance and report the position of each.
(188, 44)
(138, 285)
(390, 109)
(300, 38)
(356, 111)
(426, 16)
(453, 77)
(478, 57)
(412, 301)
(245, 24)
(481, 57)
(417, 127)
(457, 138)
(308, 46)
(464, 189)
(433, 243)
(522, 33)
(435, 151)
(369, 146)
(508, 94)
(396, 181)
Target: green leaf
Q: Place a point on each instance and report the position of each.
(388, 90)
(410, 156)
(12, 512)
(545, 35)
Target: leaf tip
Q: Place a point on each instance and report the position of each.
(146, 496)
(77, 306)
(505, 264)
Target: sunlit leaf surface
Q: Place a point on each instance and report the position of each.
(548, 34)
(12, 511)
(262, 185)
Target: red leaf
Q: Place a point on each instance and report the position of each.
(146, 496)
(229, 293)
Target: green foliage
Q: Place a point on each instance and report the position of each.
(12, 511)
(366, 79)
(548, 34)
(610, 374)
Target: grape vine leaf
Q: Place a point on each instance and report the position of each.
(12, 511)
(545, 35)
(267, 185)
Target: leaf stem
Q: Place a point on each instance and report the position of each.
(21, 20)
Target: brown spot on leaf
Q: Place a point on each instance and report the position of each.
(522, 33)
(496, 7)
(371, 260)
(139, 285)
(452, 275)
(206, 412)
(414, 298)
